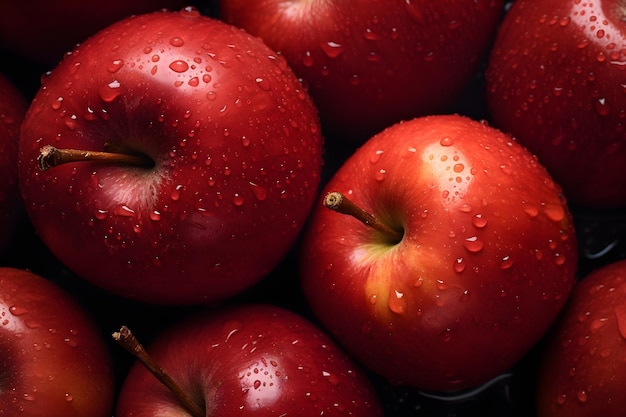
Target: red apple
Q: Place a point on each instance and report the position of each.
(248, 360)
(44, 30)
(371, 63)
(55, 362)
(212, 159)
(583, 365)
(13, 107)
(466, 256)
(555, 81)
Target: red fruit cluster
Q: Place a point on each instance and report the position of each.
(367, 208)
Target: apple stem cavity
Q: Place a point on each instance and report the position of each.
(50, 157)
(338, 202)
(126, 339)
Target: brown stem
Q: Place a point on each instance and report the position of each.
(125, 338)
(338, 202)
(50, 157)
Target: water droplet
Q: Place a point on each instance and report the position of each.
(115, 65)
(69, 397)
(260, 192)
(554, 212)
(263, 83)
(397, 303)
(506, 262)
(307, 60)
(101, 214)
(331, 378)
(582, 396)
(177, 41)
(620, 316)
(465, 208)
(17, 310)
(370, 35)
(473, 244)
(123, 210)
(31, 324)
(332, 49)
(414, 12)
(602, 107)
(238, 200)
(459, 265)
(446, 141)
(179, 66)
(110, 92)
(380, 174)
(176, 193)
(479, 221)
(375, 157)
(530, 209)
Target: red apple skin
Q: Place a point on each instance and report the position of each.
(43, 31)
(583, 365)
(237, 148)
(371, 63)
(13, 107)
(55, 362)
(555, 81)
(250, 360)
(486, 262)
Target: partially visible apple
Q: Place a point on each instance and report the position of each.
(246, 360)
(43, 30)
(555, 81)
(583, 366)
(466, 256)
(13, 107)
(370, 63)
(212, 158)
(54, 361)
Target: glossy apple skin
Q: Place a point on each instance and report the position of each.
(250, 360)
(43, 31)
(371, 63)
(13, 107)
(555, 80)
(55, 361)
(486, 262)
(583, 365)
(237, 150)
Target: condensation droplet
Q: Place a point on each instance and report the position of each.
(446, 141)
(620, 316)
(177, 41)
(260, 192)
(115, 65)
(331, 378)
(179, 66)
(479, 221)
(473, 244)
(397, 303)
(459, 265)
(238, 200)
(332, 49)
(506, 262)
(554, 212)
(263, 83)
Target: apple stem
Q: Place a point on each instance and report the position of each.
(338, 202)
(50, 157)
(125, 338)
